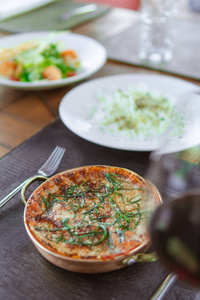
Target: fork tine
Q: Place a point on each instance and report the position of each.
(57, 159)
(52, 162)
(51, 157)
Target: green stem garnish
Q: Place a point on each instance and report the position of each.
(106, 211)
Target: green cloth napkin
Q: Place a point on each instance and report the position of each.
(48, 18)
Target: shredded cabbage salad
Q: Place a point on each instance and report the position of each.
(136, 113)
(38, 60)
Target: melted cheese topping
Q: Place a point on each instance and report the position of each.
(93, 211)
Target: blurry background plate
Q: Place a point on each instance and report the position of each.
(91, 53)
(77, 105)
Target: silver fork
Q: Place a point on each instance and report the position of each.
(79, 11)
(47, 169)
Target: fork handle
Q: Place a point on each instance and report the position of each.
(164, 287)
(14, 192)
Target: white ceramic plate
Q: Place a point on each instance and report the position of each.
(91, 53)
(77, 105)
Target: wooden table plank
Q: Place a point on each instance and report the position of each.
(4, 150)
(15, 130)
(31, 109)
(9, 95)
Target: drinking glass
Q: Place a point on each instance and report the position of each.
(156, 31)
(175, 171)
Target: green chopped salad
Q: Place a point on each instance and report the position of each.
(39, 60)
(136, 113)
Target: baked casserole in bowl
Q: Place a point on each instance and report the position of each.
(91, 219)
